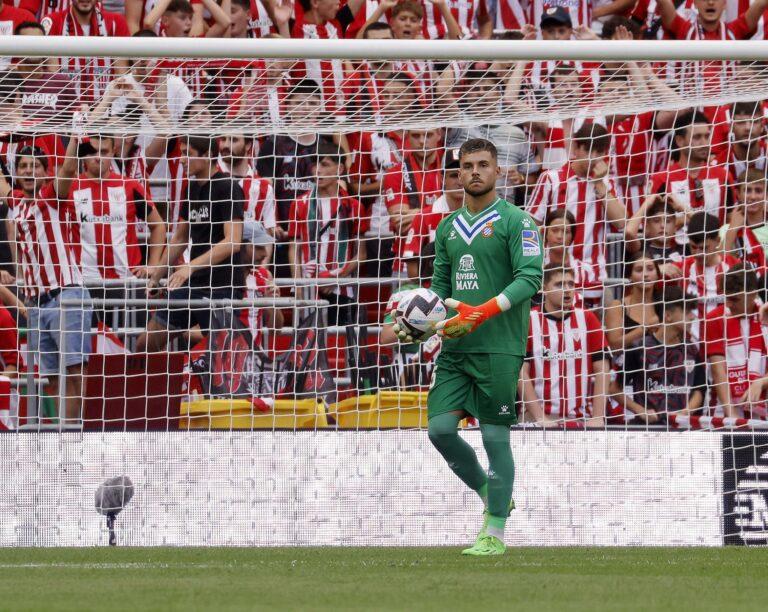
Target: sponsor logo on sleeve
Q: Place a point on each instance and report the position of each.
(531, 246)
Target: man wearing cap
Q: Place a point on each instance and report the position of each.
(259, 283)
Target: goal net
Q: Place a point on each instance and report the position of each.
(201, 254)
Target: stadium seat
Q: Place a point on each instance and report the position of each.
(240, 414)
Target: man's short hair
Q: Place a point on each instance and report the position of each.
(552, 269)
(180, 6)
(28, 25)
(327, 149)
(741, 278)
(751, 109)
(408, 6)
(615, 22)
(687, 120)
(245, 4)
(592, 137)
(376, 26)
(751, 175)
(669, 298)
(204, 146)
(307, 87)
(703, 226)
(35, 152)
(145, 33)
(660, 206)
(306, 5)
(477, 145)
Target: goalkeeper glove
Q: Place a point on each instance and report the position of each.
(469, 317)
(403, 335)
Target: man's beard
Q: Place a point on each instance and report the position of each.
(82, 12)
(481, 191)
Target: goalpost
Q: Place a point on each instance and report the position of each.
(281, 411)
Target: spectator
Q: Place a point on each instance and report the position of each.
(414, 184)
(511, 15)
(10, 19)
(734, 345)
(253, 19)
(86, 18)
(289, 159)
(263, 322)
(693, 181)
(665, 372)
(181, 19)
(40, 213)
(747, 233)
(703, 270)
(406, 19)
(236, 158)
(628, 319)
(324, 19)
(108, 208)
(565, 375)
(585, 189)
(325, 228)
(211, 227)
(660, 218)
(414, 363)
(558, 238)
(365, 81)
(262, 97)
(425, 222)
(746, 144)
(708, 23)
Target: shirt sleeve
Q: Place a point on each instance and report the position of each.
(714, 337)
(739, 28)
(441, 277)
(141, 204)
(679, 28)
(597, 344)
(527, 259)
(9, 339)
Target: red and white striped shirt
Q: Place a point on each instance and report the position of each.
(563, 188)
(561, 356)
(44, 241)
(589, 286)
(259, 22)
(742, 342)
(90, 75)
(329, 74)
(326, 232)
(511, 14)
(108, 212)
(708, 191)
(463, 11)
(259, 196)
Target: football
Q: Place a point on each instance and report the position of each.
(418, 311)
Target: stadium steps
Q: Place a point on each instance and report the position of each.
(241, 414)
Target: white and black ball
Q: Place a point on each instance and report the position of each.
(418, 311)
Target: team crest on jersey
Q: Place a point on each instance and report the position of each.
(466, 276)
(689, 365)
(488, 230)
(469, 231)
(530, 241)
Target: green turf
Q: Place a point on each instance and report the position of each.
(684, 580)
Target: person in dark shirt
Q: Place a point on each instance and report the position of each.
(211, 226)
(664, 372)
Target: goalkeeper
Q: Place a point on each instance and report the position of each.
(488, 266)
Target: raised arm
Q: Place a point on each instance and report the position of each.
(67, 170)
(221, 15)
(753, 14)
(668, 12)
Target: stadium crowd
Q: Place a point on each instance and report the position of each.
(676, 199)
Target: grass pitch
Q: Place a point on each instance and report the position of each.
(383, 578)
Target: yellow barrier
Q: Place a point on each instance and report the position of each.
(387, 409)
(240, 414)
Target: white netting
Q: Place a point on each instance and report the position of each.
(221, 241)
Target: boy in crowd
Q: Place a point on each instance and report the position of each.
(660, 218)
(566, 372)
(734, 345)
(665, 372)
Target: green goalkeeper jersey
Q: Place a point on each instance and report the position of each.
(478, 257)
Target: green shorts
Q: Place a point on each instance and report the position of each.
(482, 384)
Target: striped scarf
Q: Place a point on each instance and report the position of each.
(93, 73)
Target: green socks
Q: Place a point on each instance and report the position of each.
(461, 457)
(501, 476)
